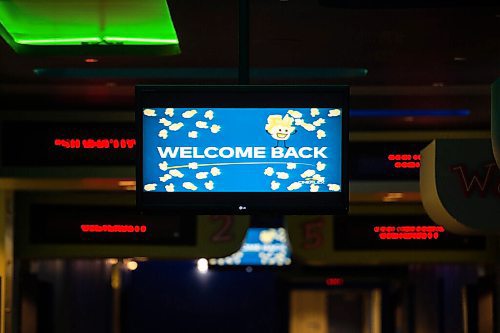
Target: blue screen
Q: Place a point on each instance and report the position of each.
(242, 149)
(262, 246)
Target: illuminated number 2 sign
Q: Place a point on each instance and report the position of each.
(223, 234)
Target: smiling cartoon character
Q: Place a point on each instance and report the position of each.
(280, 128)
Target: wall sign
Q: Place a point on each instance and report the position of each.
(66, 144)
(104, 225)
(460, 185)
(376, 239)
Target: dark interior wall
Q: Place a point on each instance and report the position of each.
(174, 295)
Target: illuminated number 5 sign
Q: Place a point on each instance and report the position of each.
(313, 233)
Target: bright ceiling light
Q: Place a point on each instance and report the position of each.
(202, 265)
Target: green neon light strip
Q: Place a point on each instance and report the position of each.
(98, 22)
(78, 41)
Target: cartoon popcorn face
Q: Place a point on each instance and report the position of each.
(280, 128)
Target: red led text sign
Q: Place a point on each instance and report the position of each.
(109, 228)
(405, 161)
(408, 232)
(331, 282)
(75, 143)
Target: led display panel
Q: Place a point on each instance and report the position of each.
(261, 247)
(242, 149)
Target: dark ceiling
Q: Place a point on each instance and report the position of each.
(443, 57)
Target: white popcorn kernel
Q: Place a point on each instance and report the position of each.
(201, 175)
(169, 112)
(294, 186)
(163, 134)
(308, 173)
(275, 185)
(165, 122)
(175, 127)
(150, 187)
(189, 114)
(149, 112)
(319, 122)
(334, 187)
(334, 113)
(269, 171)
(201, 124)
(209, 185)
(215, 171)
(189, 186)
(215, 128)
(165, 177)
(176, 173)
(163, 166)
(295, 114)
(209, 114)
(282, 175)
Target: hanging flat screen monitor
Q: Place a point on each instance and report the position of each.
(242, 149)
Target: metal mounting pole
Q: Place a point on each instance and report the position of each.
(243, 43)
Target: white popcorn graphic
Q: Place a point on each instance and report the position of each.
(193, 134)
(189, 114)
(317, 177)
(314, 188)
(163, 134)
(176, 173)
(299, 122)
(319, 122)
(282, 175)
(165, 122)
(163, 166)
(294, 186)
(215, 128)
(291, 166)
(175, 127)
(193, 165)
(201, 175)
(209, 185)
(320, 166)
(269, 171)
(201, 124)
(295, 114)
(308, 127)
(215, 171)
(169, 112)
(149, 112)
(334, 113)
(165, 177)
(320, 134)
(170, 188)
(314, 112)
(275, 185)
(189, 186)
(209, 114)
(308, 173)
(150, 187)
(334, 187)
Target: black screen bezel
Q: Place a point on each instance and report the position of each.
(238, 97)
